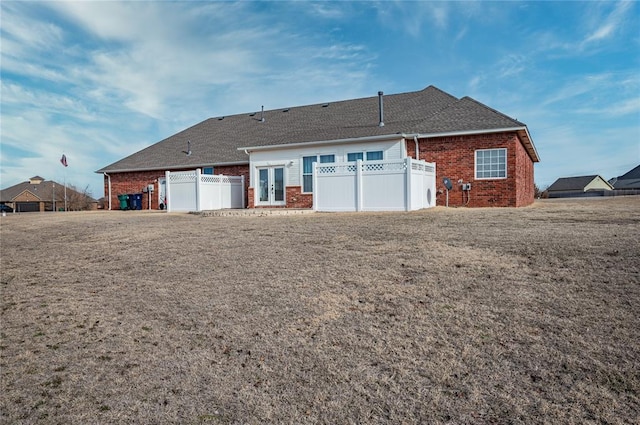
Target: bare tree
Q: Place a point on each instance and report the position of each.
(79, 200)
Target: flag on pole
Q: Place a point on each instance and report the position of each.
(63, 160)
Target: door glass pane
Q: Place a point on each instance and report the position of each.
(264, 185)
(278, 177)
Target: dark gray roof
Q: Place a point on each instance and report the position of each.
(629, 180)
(216, 141)
(42, 191)
(571, 183)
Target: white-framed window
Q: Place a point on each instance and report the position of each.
(374, 155)
(354, 156)
(491, 163)
(307, 169)
(370, 155)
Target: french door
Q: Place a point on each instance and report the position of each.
(270, 186)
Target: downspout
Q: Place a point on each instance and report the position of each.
(109, 180)
(415, 139)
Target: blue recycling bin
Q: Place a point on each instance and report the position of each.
(135, 201)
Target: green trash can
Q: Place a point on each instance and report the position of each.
(123, 201)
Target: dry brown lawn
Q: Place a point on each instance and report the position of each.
(461, 316)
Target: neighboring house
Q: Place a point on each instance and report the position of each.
(470, 143)
(568, 187)
(627, 181)
(41, 195)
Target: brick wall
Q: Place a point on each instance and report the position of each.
(294, 199)
(297, 199)
(455, 158)
(135, 182)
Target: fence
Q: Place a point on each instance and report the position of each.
(391, 185)
(194, 191)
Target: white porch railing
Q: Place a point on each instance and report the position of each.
(387, 185)
(194, 191)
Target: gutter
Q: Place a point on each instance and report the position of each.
(109, 180)
(394, 136)
(523, 132)
(172, 167)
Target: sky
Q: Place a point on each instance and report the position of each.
(98, 81)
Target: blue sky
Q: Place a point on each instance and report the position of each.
(99, 81)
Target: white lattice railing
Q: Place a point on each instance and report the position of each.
(194, 191)
(365, 166)
(386, 185)
(182, 177)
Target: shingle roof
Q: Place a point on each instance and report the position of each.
(42, 191)
(571, 183)
(629, 180)
(216, 141)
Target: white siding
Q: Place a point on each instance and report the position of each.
(291, 158)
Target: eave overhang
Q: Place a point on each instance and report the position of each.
(523, 134)
(395, 136)
(170, 167)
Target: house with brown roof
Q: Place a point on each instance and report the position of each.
(488, 155)
(40, 195)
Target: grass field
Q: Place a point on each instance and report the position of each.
(478, 316)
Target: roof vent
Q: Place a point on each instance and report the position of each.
(285, 110)
(380, 109)
(253, 114)
(220, 118)
(324, 105)
(262, 114)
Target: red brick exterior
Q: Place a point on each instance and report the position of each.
(297, 199)
(294, 198)
(455, 158)
(135, 182)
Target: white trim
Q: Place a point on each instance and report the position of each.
(466, 132)
(475, 164)
(174, 167)
(396, 136)
(529, 140)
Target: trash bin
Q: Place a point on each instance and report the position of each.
(135, 201)
(123, 201)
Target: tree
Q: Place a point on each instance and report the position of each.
(77, 200)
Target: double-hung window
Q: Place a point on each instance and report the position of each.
(307, 169)
(491, 163)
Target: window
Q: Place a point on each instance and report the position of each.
(491, 164)
(307, 169)
(374, 155)
(307, 173)
(354, 156)
(207, 170)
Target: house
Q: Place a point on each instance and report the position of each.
(42, 195)
(486, 154)
(627, 181)
(569, 187)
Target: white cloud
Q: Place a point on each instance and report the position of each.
(607, 26)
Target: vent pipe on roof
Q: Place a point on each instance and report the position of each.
(381, 109)
(262, 114)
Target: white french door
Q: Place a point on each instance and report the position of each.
(270, 190)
